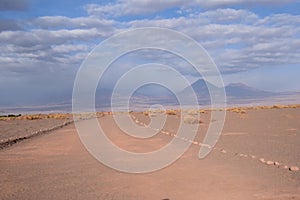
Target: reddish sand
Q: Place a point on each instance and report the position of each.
(57, 166)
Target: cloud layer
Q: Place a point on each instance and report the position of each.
(13, 5)
(238, 39)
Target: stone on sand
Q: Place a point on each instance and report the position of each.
(223, 151)
(270, 162)
(262, 160)
(294, 168)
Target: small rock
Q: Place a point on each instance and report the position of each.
(223, 151)
(294, 168)
(285, 167)
(253, 156)
(262, 160)
(270, 162)
(276, 163)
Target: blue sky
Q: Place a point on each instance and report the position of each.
(43, 43)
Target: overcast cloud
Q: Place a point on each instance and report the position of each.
(14, 5)
(238, 38)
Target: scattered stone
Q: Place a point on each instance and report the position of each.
(223, 151)
(262, 160)
(276, 163)
(285, 167)
(270, 162)
(253, 156)
(294, 168)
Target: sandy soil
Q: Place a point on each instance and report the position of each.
(57, 166)
(19, 128)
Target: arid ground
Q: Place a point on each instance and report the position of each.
(256, 157)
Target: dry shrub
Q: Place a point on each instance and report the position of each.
(278, 106)
(152, 113)
(107, 113)
(33, 117)
(159, 111)
(4, 118)
(99, 114)
(85, 115)
(202, 111)
(58, 116)
(171, 112)
(190, 119)
(295, 106)
(146, 113)
(237, 110)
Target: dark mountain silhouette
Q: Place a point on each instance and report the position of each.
(200, 88)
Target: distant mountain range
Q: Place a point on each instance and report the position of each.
(154, 94)
(240, 90)
(236, 93)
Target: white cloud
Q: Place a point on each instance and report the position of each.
(239, 40)
(229, 15)
(131, 7)
(68, 48)
(43, 36)
(220, 3)
(142, 7)
(55, 22)
(280, 20)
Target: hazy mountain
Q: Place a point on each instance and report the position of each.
(241, 90)
(151, 94)
(237, 93)
(200, 87)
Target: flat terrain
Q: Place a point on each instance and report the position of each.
(57, 166)
(19, 128)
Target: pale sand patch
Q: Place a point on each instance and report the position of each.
(234, 133)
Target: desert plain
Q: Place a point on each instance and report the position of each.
(256, 157)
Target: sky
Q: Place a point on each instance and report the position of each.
(43, 42)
